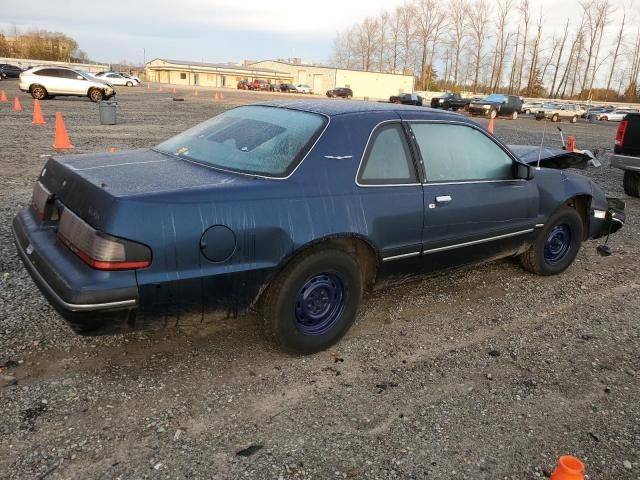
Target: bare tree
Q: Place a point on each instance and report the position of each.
(514, 63)
(502, 37)
(429, 21)
(458, 11)
(526, 16)
(557, 69)
(478, 17)
(382, 23)
(395, 28)
(534, 56)
(616, 53)
(596, 13)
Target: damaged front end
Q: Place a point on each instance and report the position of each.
(556, 158)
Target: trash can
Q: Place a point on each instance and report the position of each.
(108, 112)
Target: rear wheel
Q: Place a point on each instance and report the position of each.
(604, 119)
(555, 118)
(557, 244)
(349, 97)
(39, 92)
(514, 116)
(631, 183)
(574, 119)
(129, 84)
(493, 114)
(313, 302)
(527, 112)
(95, 95)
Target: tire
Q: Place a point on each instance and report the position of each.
(349, 97)
(38, 92)
(631, 183)
(555, 118)
(539, 119)
(556, 245)
(95, 95)
(493, 114)
(315, 276)
(604, 119)
(514, 116)
(574, 119)
(527, 112)
(129, 84)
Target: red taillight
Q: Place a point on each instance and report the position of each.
(99, 250)
(622, 131)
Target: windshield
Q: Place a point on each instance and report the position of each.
(495, 98)
(260, 140)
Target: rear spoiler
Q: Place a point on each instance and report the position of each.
(557, 158)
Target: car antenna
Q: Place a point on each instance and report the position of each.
(562, 138)
(541, 144)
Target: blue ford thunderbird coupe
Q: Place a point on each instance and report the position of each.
(297, 208)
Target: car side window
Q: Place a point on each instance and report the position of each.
(68, 74)
(387, 160)
(48, 72)
(458, 153)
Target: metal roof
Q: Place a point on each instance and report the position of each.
(226, 66)
(339, 107)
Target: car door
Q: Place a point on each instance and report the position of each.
(50, 79)
(73, 82)
(475, 208)
(391, 193)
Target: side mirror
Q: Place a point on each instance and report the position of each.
(523, 171)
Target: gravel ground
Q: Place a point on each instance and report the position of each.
(486, 373)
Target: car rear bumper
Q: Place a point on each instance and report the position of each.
(87, 299)
(609, 221)
(625, 162)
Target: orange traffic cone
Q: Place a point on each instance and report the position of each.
(16, 105)
(38, 119)
(571, 144)
(491, 128)
(173, 90)
(221, 96)
(160, 90)
(3, 96)
(62, 139)
(215, 97)
(569, 468)
(112, 150)
(195, 93)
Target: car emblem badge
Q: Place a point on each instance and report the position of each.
(30, 249)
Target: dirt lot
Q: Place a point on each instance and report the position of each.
(488, 373)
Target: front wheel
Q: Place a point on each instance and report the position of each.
(95, 95)
(313, 302)
(556, 245)
(555, 118)
(129, 84)
(631, 183)
(574, 119)
(514, 116)
(493, 114)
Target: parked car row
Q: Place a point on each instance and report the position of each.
(263, 85)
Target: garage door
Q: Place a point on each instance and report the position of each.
(317, 84)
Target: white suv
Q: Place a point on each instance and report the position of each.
(48, 82)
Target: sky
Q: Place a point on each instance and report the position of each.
(216, 30)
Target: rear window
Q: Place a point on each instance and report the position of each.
(259, 140)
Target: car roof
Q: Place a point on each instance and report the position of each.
(341, 107)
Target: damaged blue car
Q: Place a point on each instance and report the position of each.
(298, 209)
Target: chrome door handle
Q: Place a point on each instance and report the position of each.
(443, 199)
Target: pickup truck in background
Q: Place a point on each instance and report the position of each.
(627, 153)
(453, 101)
